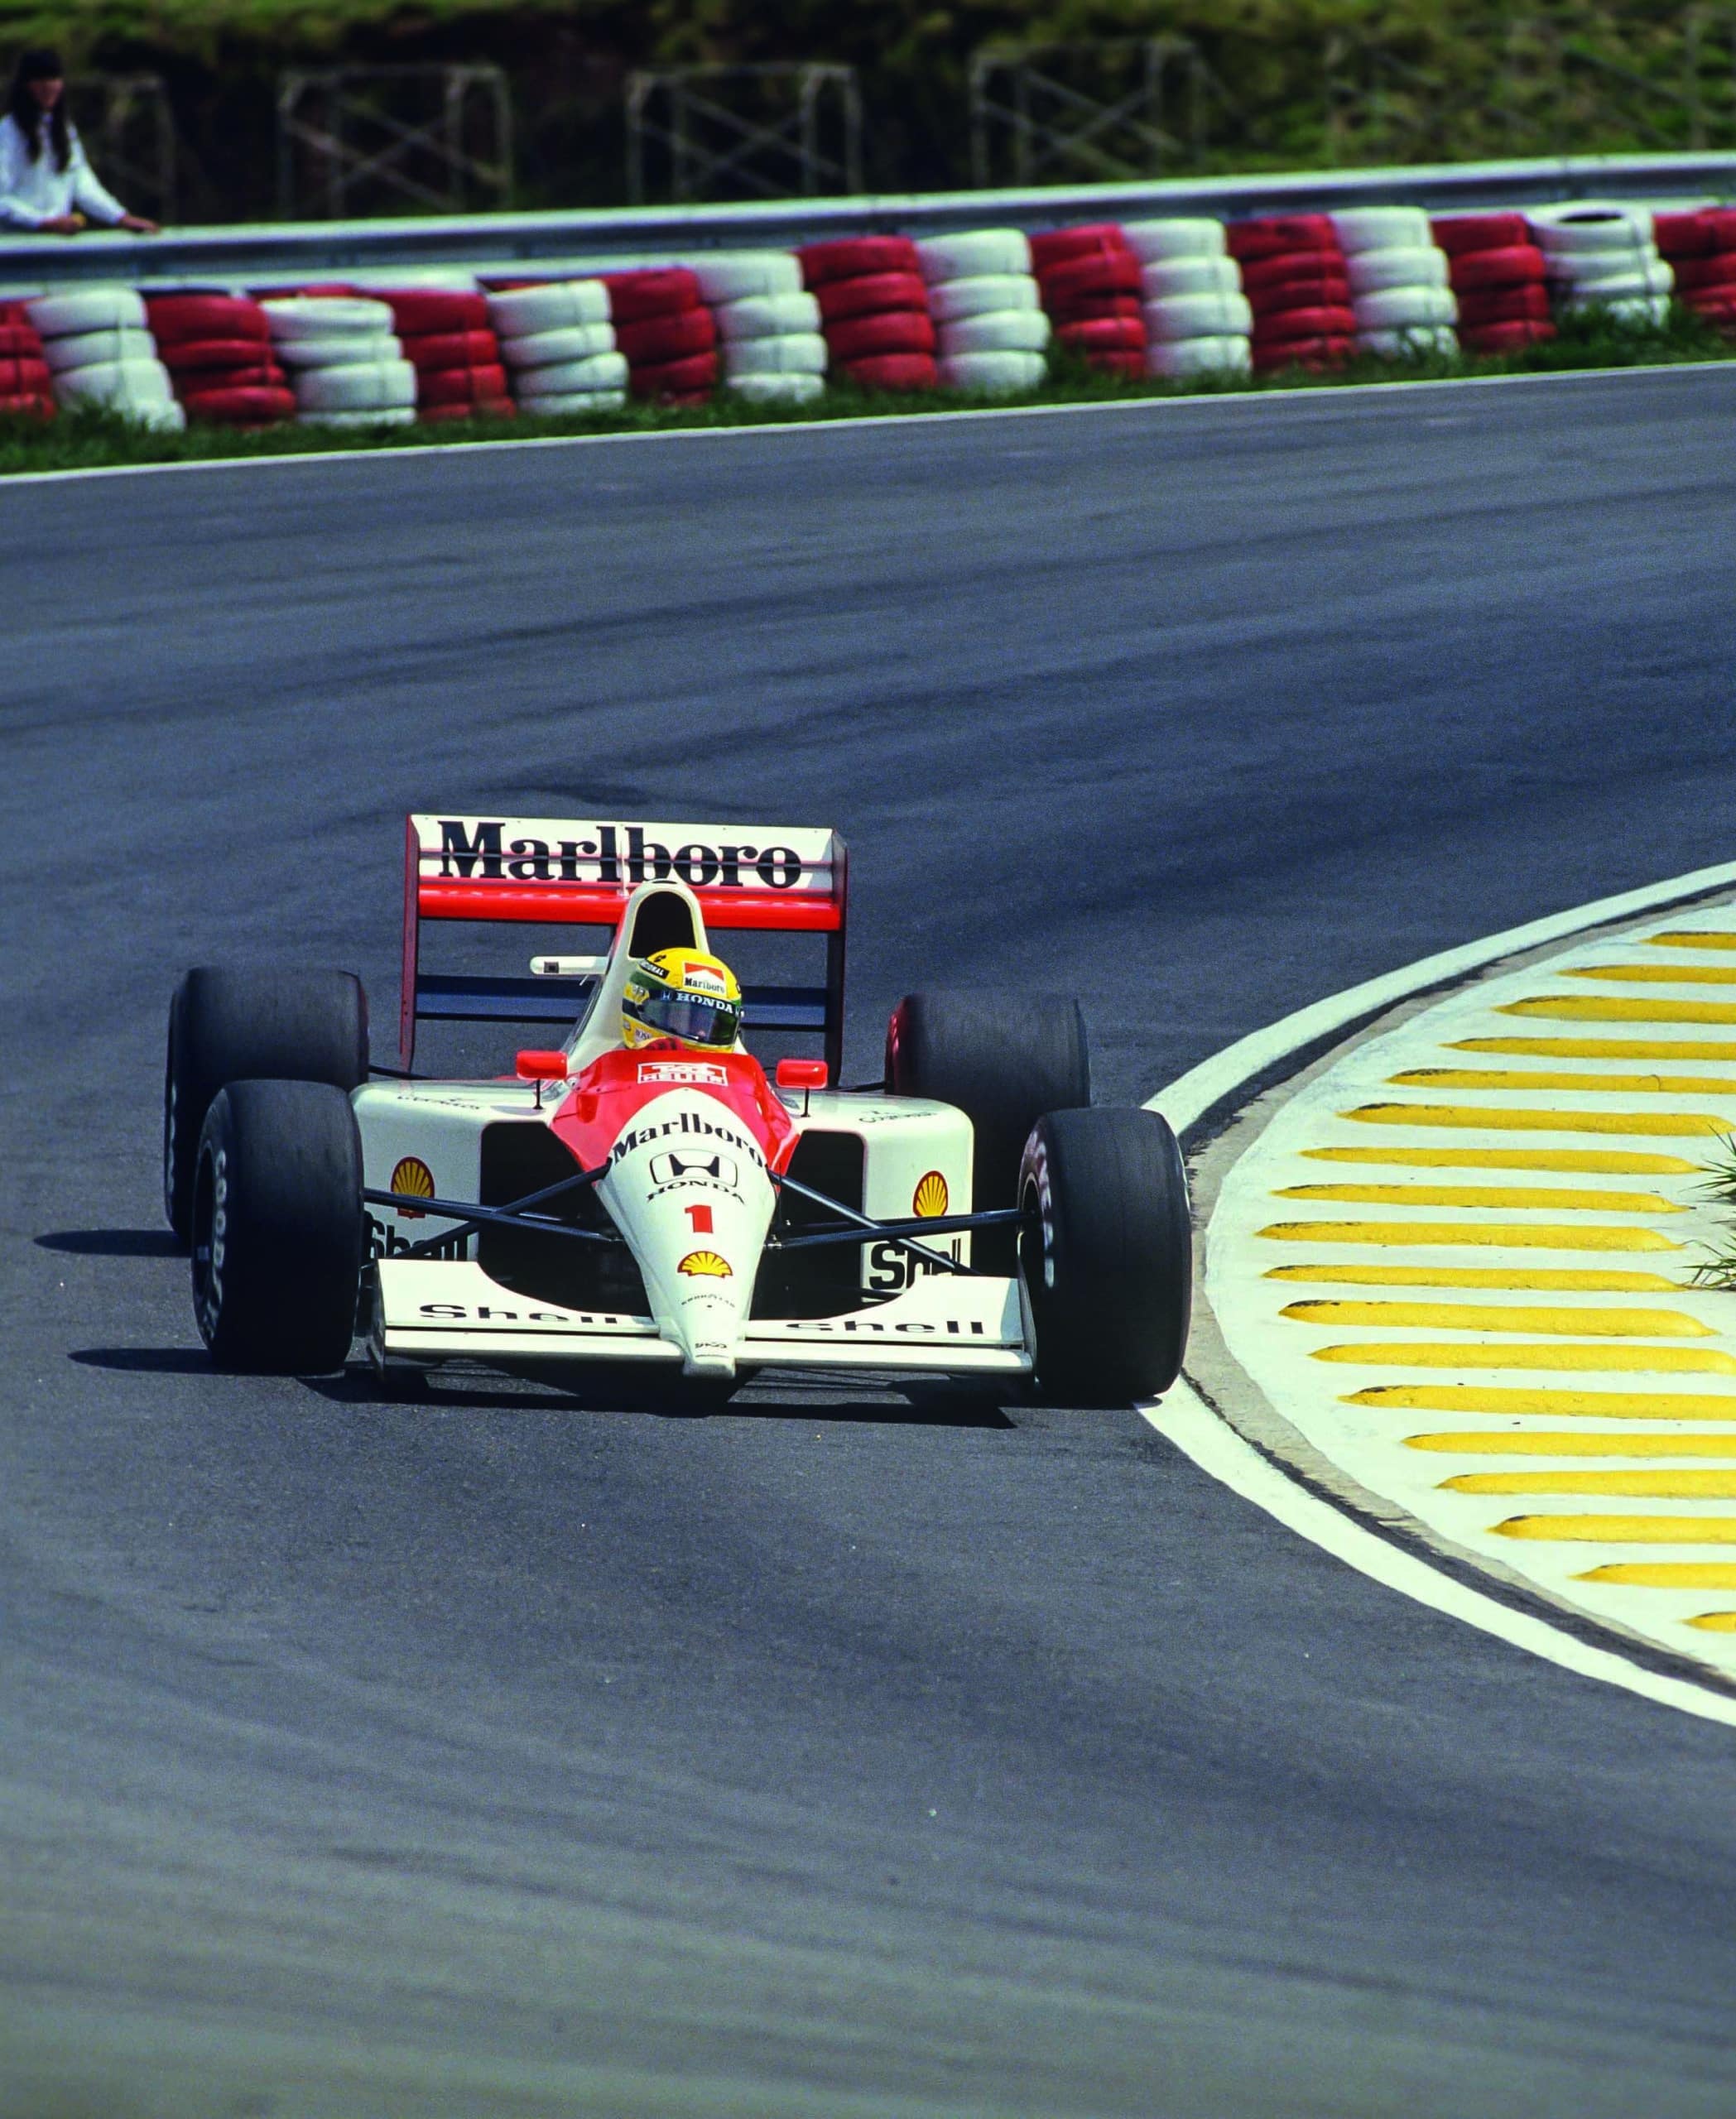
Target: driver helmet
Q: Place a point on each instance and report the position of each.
(682, 994)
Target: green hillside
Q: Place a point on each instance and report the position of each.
(1245, 84)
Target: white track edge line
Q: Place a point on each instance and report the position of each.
(1184, 1419)
(1187, 1099)
(1309, 394)
(1202, 1435)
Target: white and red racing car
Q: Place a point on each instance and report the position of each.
(973, 1215)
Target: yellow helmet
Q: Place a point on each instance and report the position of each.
(682, 994)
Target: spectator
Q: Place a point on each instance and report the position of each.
(45, 181)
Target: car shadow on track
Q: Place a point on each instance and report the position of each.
(939, 1404)
(113, 1242)
(145, 1361)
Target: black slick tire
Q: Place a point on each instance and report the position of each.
(1003, 1060)
(1106, 1254)
(278, 1239)
(251, 1025)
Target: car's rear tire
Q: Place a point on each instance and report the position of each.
(278, 1237)
(1003, 1060)
(1106, 1254)
(251, 1025)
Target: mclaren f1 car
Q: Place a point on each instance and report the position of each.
(666, 1202)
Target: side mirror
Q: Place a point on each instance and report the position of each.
(801, 1074)
(541, 1066)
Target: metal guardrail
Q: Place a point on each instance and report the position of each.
(217, 256)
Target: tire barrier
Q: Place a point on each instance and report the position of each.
(768, 329)
(1178, 298)
(98, 349)
(24, 383)
(1600, 256)
(988, 314)
(1401, 295)
(345, 364)
(1497, 276)
(558, 346)
(218, 351)
(445, 335)
(1197, 318)
(1298, 285)
(873, 310)
(666, 333)
(1700, 248)
(1090, 282)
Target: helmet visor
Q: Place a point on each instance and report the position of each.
(691, 1017)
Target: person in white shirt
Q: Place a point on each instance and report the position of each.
(46, 183)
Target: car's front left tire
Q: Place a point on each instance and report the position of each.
(1106, 1254)
(278, 1235)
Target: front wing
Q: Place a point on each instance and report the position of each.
(949, 1323)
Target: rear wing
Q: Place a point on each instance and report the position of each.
(540, 871)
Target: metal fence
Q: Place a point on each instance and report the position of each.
(380, 139)
(767, 132)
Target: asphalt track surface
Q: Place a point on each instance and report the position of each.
(507, 1754)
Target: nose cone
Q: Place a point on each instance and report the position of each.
(692, 1199)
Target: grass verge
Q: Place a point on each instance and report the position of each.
(92, 439)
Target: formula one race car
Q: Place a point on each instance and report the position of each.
(644, 1194)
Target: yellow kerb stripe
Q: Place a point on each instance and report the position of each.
(1656, 974)
(1666, 1574)
(1505, 1235)
(1552, 1197)
(1622, 1529)
(1469, 1353)
(1502, 1317)
(1631, 1485)
(1684, 938)
(1558, 1442)
(1571, 1007)
(1610, 1162)
(1704, 1052)
(1539, 1121)
(1516, 1078)
(1539, 1280)
(1550, 1404)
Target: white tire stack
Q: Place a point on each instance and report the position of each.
(99, 351)
(558, 345)
(774, 352)
(987, 311)
(343, 361)
(1600, 256)
(1401, 293)
(1197, 319)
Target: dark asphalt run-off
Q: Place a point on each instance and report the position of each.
(503, 1752)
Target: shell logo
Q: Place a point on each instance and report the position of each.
(707, 1265)
(414, 1178)
(931, 1196)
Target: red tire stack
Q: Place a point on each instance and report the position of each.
(666, 332)
(1090, 281)
(874, 309)
(1701, 250)
(1294, 275)
(1497, 273)
(24, 379)
(449, 341)
(218, 351)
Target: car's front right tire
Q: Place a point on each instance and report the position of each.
(278, 1235)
